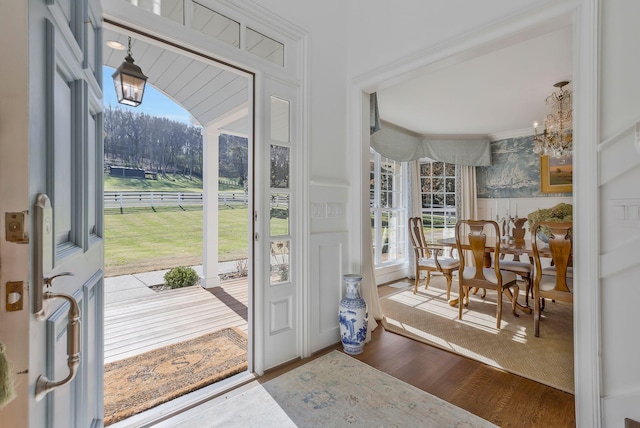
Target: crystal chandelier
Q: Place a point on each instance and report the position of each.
(556, 140)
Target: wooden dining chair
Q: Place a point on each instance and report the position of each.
(556, 281)
(524, 269)
(473, 235)
(427, 257)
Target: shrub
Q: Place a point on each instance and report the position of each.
(181, 276)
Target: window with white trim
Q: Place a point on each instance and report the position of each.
(388, 202)
(438, 195)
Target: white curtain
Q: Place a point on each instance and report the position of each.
(368, 286)
(468, 197)
(415, 205)
(369, 292)
(468, 194)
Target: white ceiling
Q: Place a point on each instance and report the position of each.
(208, 92)
(502, 91)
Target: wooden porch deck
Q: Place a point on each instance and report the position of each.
(141, 324)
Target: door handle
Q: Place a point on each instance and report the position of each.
(44, 385)
(43, 264)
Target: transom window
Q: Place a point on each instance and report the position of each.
(214, 24)
(388, 201)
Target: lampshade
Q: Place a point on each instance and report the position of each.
(129, 81)
(557, 138)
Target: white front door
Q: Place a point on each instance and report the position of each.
(64, 163)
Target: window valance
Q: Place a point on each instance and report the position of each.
(401, 144)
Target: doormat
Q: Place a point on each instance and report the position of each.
(139, 383)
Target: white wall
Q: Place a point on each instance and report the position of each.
(619, 177)
(325, 22)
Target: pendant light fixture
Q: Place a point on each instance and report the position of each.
(129, 81)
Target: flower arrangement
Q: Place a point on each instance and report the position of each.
(558, 213)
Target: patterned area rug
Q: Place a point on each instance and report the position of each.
(141, 382)
(334, 390)
(427, 317)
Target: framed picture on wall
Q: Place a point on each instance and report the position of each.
(556, 174)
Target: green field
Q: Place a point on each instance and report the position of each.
(142, 240)
(164, 183)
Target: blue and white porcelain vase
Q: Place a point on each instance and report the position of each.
(353, 316)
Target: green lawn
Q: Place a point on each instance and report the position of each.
(164, 183)
(142, 240)
(168, 183)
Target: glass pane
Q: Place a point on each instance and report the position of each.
(451, 200)
(425, 169)
(426, 200)
(279, 167)
(265, 47)
(438, 185)
(450, 169)
(279, 261)
(438, 200)
(280, 119)
(213, 24)
(279, 215)
(172, 9)
(426, 184)
(385, 235)
(394, 242)
(450, 185)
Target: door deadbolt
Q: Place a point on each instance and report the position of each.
(14, 228)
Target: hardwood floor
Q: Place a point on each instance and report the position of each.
(502, 398)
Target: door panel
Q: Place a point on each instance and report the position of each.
(66, 164)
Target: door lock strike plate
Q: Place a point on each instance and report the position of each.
(13, 297)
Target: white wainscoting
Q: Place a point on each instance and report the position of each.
(328, 260)
(489, 207)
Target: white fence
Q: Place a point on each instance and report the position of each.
(155, 200)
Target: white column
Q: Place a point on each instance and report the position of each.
(210, 210)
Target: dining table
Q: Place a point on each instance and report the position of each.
(517, 248)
